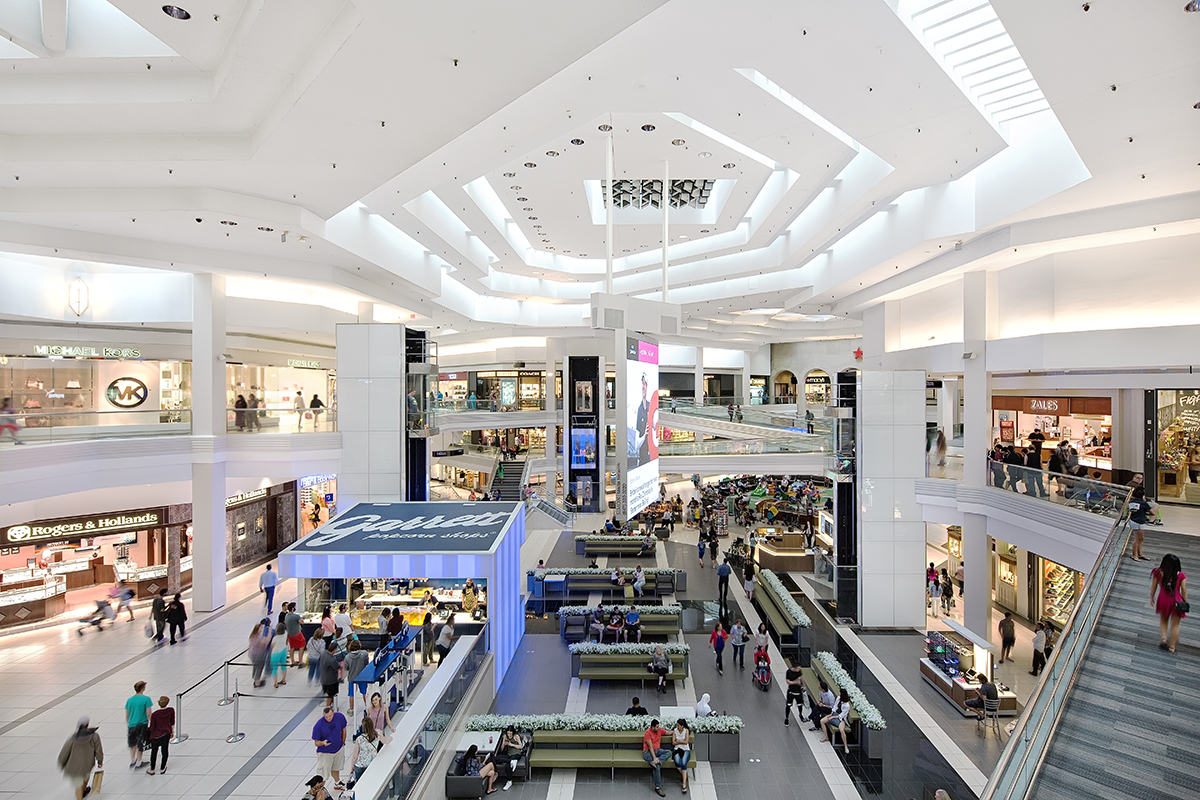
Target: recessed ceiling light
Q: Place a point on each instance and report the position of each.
(515, 188)
(530, 164)
(705, 154)
(730, 165)
(681, 236)
(577, 141)
(705, 230)
(533, 217)
(538, 225)
(228, 222)
(551, 153)
(678, 142)
(176, 12)
(549, 248)
(268, 230)
(1197, 106)
(527, 208)
(522, 199)
(647, 128)
(510, 174)
(624, 251)
(583, 255)
(1192, 7)
(605, 127)
(568, 252)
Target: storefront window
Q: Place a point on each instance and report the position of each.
(758, 390)
(785, 387)
(1084, 422)
(318, 501)
(817, 388)
(1178, 445)
(1060, 588)
(531, 389)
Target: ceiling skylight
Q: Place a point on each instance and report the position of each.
(970, 43)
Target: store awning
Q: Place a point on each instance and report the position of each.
(393, 540)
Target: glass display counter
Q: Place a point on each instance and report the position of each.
(147, 581)
(956, 663)
(412, 598)
(34, 603)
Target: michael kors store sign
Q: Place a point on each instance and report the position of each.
(85, 351)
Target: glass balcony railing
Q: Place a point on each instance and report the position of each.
(40, 427)
(813, 444)
(280, 420)
(760, 416)
(1089, 494)
(484, 404)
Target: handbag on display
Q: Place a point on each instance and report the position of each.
(34, 382)
(73, 383)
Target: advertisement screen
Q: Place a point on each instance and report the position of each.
(583, 448)
(508, 392)
(641, 398)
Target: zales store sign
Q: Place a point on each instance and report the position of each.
(1045, 405)
(85, 351)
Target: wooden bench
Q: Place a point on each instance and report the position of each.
(577, 627)
(812, 677)
(625, 667)
(630, 546)
(594, 749)
(600, 581)
(771, 608)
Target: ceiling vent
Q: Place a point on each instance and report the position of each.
(668, 325)
(648, 193)
(614, 318)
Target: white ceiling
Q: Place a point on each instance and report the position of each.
(382, 132)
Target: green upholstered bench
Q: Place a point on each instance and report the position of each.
(631, 548)
(624, 667)
(595, 749)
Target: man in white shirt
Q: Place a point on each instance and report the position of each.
(266, 584)
(1039, 650)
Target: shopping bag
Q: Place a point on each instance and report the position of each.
(149, 630)
(97, 781)
(308, 415)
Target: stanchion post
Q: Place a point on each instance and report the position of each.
(237, 735)
(225, 699)
(180, 736)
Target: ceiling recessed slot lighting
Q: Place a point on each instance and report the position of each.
(515, 188)
(624, 251)
(605, 127)
(648, 193)
(530, 164)
(549, 248)
(681, 236)
(551, 153)
(729, 165)
(510, 174)
(583, 255)
(648, 128)
(705, 154)
(533, 217)
(522, 199)
(577, 142)
(175, 12)
(228, 222)
(678, 142)
(527, 208)
(268, 230)
(705, 230)
(538, 225)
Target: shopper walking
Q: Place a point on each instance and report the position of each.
(259, 649)
(355, 662)
(329, 736)
(1039, 649)
(177, 617)
(700, 546)
(653, 753)
(1008, 637)
(1033, 473)
(330, 669)
(252, 422)
(239, 413)
(1140, 514)
(445, 640)
(723, 573)
(795, 693)
(366, 747)
(739, 634)
(1015, 464)
(748, 578)
(947, 593)
(1168, 595)
(314, 407)
(295, 636)
(935, 597)
(8, 421)
(162, 727)
(427, 638)
(137, 724)
(941, 448)
(280, 650)
(712, 545)
(158, 613)
(717, 640)
(314, 650)
(298, 404)
(266, 584)
(124, 596)
(79, 754)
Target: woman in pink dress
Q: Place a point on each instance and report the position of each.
(1168, 595)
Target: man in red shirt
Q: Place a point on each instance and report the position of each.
(654, 754)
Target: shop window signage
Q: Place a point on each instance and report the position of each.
(303, 364)
(126, 392)
(245, 497)
(75, 528)
(1044, 405)
(85, 351)
(312, 480)
(410, 527)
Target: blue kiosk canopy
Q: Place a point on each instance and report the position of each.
(426, 540)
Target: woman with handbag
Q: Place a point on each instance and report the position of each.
(1168, 596)
(681, 749)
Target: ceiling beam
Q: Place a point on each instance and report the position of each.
(54, 25)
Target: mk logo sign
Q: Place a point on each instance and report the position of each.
(126, 393)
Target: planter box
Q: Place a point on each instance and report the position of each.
(719, 747)
(681, 580)
(579, 548)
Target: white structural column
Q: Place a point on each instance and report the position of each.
(977, 428)
(666, 209)
(608, 214)
(947, 402)
(699, 376)
(208, 430)
(371, 403)
(891, 456)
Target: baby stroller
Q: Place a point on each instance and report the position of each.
(762, 669)
(104, 612)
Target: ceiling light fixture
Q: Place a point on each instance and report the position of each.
(551, 153)
(522, 199)
(77, 297)
(510, 174)
(648, 128)
(705, 230)
(577, 141)
(175, 12)
(268, 230)
(228, 222)
(537, 226)
(678, 142)
(533, 217)
(1192, 7)
(530, 164)
(527, 208)
(705, 154)
(681, 236)
(605, 127)
(729, 165)
(515, 188)
(583, 255)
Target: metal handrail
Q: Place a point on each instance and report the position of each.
(1038, 724)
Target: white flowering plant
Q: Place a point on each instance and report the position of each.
(626, 571)
(583, 611)
(628, 649)
(868, 713)
(594, 722)
(789, 606)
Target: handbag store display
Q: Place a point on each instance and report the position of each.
(34, 382)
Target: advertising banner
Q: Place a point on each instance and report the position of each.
(641, 415)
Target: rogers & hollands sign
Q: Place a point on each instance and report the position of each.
(76, 528)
